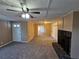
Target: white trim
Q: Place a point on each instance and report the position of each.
(6, 44)
(22, 41)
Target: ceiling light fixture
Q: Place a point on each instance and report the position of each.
(25, 16)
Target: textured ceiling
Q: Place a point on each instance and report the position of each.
(48, 8)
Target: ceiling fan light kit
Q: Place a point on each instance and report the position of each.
(25, 16)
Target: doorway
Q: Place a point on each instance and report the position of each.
(41, 30)
(16, 30)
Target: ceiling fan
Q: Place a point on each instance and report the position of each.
(25, 13)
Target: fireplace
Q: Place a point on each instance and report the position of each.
(64, 40)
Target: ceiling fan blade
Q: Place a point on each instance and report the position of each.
(31, 16)
(12, 10)
(35, 12)
(38, 9)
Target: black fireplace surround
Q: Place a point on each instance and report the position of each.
(64, 40)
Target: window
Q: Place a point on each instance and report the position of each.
(41, 29)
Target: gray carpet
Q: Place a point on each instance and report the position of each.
(27, 51)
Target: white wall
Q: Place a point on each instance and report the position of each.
(75, 37)
(24, 31)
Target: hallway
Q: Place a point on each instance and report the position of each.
(17, 50)
(43, 40)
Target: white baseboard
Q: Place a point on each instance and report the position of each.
(22, 41)
(6, 44)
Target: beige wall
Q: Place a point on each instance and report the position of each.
(5, 32)
(48, 27)
(60, 23)
(68, 22)
(57, 24)
(35, 30)
(30, 30)
(55, 31)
